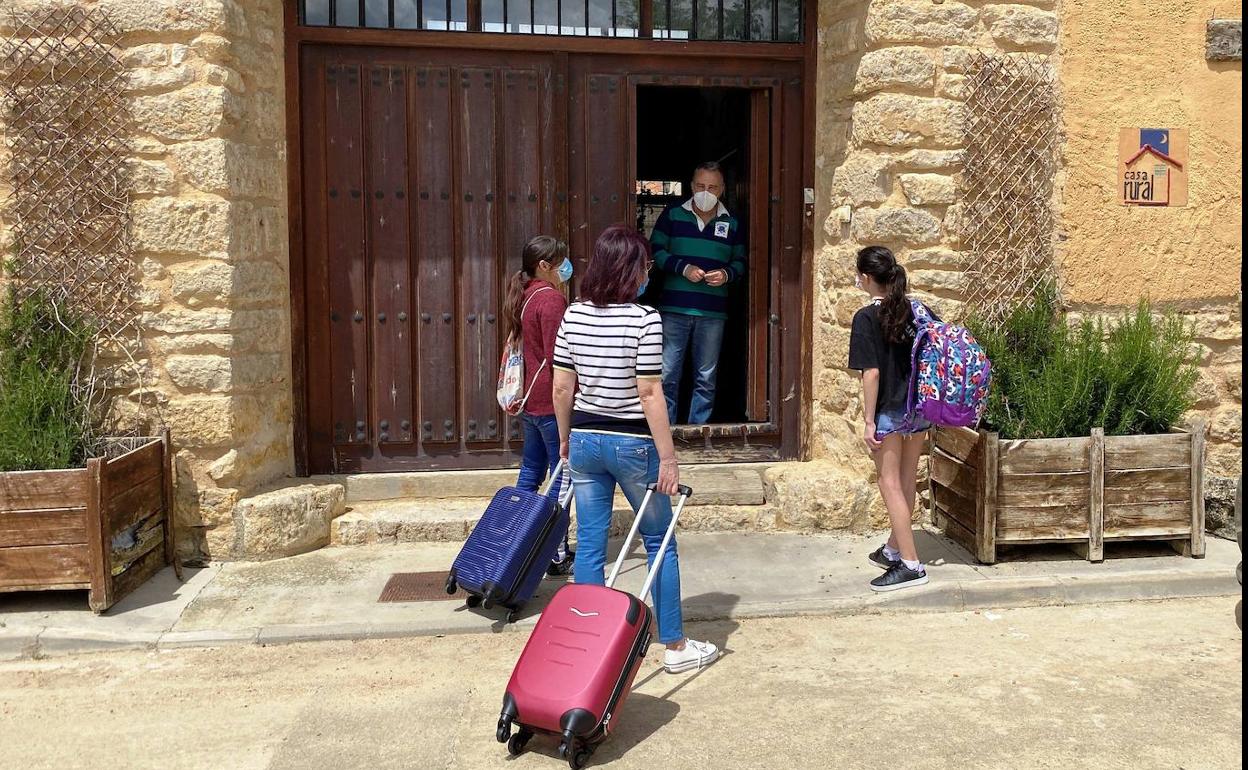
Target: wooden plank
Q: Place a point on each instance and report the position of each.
(1034, 490)
(954, 475)
(1096, 496)
(759, 264)
(347, 262)
(100, 596)
(1044, 455)
(36, 490)
(135, 467)
(1124, 520)
(44, 564)
(1165, 450)
(955, 531)
(957, 508)
(1042, 535)
(150, 536)
(389, 258)
(1024, 523)
(1153, 533)
(1147, 486)
(123, 509)
(49, 526)
(987, 500)
(137, 574)
(434, 250)
(1196, 546)
(960, 443)
(171, 532)
(477, 133)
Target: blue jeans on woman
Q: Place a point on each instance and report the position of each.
(600, 461)
(541, 450)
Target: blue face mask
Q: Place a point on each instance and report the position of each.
(565, 270)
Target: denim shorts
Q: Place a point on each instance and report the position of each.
(892, 422)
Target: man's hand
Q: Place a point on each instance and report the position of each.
(868, 437)
(717, 278)
(695, 274)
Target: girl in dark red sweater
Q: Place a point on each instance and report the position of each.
(534, 308)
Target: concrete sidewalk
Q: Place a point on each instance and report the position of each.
(332, 593)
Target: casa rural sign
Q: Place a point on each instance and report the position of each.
(1152, 166)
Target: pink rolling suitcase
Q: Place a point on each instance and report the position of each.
(579, 664)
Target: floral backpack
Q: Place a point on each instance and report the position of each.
(949, 373)
(511, 392)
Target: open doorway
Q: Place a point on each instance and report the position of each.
(679, 127)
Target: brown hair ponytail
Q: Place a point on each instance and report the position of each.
(895, 313)
(543, 248)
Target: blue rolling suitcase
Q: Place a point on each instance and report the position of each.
(518, 536)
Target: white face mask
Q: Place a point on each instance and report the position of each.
(705, 201)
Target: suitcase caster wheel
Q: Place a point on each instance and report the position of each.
(515, 746)
(487, 604)
(513, 616)
(451, 585)
(578, 759)
(503, 733)
(563, 750)
(473, 600)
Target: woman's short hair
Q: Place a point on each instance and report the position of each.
(617, 267)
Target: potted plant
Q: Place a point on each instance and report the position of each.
(76, 510)
(1080, 442)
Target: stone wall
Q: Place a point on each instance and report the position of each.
(207, 94)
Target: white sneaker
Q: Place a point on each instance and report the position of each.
(695, 655)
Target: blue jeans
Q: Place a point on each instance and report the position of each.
(599, 462)
(539, 458)
(541, 450)
(701, 337)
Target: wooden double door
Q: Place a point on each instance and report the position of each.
(422, 174)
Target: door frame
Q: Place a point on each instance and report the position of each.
(707, 443)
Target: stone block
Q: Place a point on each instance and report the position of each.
(220, 283)
(221, 374)
(181, 321)
(168, 16)
(205, 421)
(900, 120)
(287, 521)
(818, 496)
(891, 68)
(921, 21)
(150, 177)
(931, 160)
(160, 78)
(1220, 506)
(155, 55)
(1227, 426)
(906, 226)
(957, 59)
(194, 112)
(937, 281)
(1224, 40)
(952, 86)
(181, 226)
(1021, 26)
(928, 189)
(942, 259)
(862, 178)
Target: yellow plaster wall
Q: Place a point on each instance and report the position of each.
(1141, 63)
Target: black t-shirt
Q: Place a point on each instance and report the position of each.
(868, 349)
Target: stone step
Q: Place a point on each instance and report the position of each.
(717, 484)
(451, 520)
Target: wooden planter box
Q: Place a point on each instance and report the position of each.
(987, 492)
(105, 527)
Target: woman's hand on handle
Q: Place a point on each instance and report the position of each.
(669, 477)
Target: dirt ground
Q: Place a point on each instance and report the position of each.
(1130, 685)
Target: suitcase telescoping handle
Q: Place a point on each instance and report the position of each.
(684, 492)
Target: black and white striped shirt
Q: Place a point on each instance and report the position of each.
(609, 348)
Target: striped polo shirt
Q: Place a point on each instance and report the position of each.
(679, 240)
(608, 348)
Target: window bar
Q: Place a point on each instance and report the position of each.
(448, 15)
(587, 18)
(362, 20)
(558, 17)
(721, 20)
(420, 14)
(532, 17)
(390, 13)
(333, 13)
(669, 20)
(775, 20)
(749, 19)
(693, 21)
(505, 30)
(614, 24)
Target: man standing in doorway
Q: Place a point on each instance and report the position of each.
(700, 247)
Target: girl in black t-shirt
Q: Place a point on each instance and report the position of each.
(880, 347)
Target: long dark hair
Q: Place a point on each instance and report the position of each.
(617, 267)
(895, 313)
(543, 248)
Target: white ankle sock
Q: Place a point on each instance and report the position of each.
(915, 565)
(890, 553)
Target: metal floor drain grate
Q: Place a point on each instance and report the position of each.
(417, 587)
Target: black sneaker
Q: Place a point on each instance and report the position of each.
(899, 576)
(878, 558)
(562, 568)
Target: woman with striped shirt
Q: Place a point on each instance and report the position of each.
(613, 426)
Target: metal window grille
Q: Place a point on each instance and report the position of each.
(735, 20)
(65, 132)
(1008, 180)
